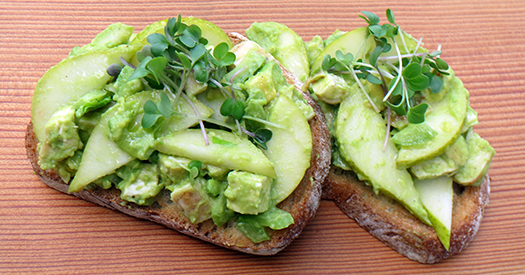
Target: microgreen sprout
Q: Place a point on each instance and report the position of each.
(194, 168)
(169, 60)
(408, 73)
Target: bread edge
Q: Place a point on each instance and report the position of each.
(405, 233)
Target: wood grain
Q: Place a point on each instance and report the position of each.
(42, 231)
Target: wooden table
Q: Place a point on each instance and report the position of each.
(43, 231)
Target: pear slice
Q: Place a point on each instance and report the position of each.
(212, 32)
(282, 43)
(446, 117)
(225, 149)
(101, 157)
(69, 80)
(355, 42)
(359, 132)
(436, 195)
(290, 147)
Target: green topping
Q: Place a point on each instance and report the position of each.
(414, 134)
(171, 59)
(411, 72)
(248, 193)
(140, 182)
(139, 118)
(61, 138)
(379, 76)
(253, 226)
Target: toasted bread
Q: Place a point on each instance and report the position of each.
(302, 204)
(392, 224)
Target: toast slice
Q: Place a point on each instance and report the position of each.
(392, 224)
(302, 204)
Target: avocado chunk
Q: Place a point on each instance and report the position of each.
(114, 35)
(123, 87)
(173, 169)
(268, 80)
(61, 138)
(125, 126)
(478, 163)
(432, 168)
(446, 118)
(192, 200)
(284, 44)
(140, 182)
(225, 149)
(248, 193)
(246, 67)
(360, 135)
(331, 88)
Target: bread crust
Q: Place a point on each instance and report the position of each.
(392, 224)
(302, 204)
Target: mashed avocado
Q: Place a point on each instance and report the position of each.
(62, 139)
(195, 125)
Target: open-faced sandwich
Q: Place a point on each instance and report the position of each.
(186, 126)
(406, 163)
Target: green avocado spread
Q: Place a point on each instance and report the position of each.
(175, 109)
(398, 116)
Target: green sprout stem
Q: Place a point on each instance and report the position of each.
(400, 69)
(402, 39)
(201, 124)
(363, 90)
(264, 122)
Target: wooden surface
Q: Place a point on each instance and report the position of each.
(43, 231)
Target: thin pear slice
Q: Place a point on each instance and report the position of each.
(290, 146)
(354, 42)
(210, 31)
(225, 149)
(284, 44)
(69, 80)
(436, 195)
(446, 118)
(101, 157)
(359, 132)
